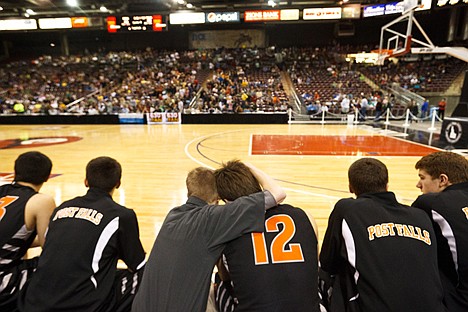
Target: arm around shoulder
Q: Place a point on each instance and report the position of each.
(37, 214)
(268, 183)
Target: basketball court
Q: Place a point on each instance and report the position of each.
(310, 161)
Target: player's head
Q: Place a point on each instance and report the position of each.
(234, 179)
(32, 167)
(439, 170)
(103, 173)
(201, 183)
(367, 175)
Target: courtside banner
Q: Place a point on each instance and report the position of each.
(163, 118)
(172, 118)
(132, 118)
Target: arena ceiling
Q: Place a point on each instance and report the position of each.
(18, 8)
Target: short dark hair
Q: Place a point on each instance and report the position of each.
(368, 175)
(234, 179)
(455, 166)
(201, 183)
(32, 167)
(103, 173)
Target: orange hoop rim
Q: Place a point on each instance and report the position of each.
(383, 51)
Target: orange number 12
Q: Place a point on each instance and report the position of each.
(281, 251)
(5, 201)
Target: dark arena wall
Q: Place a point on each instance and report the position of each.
(301, 34)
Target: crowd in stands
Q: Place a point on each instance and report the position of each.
(211, 81)
(102, 83)
(244, 81)
(422, 74)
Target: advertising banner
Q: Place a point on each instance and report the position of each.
(321, 13)
(262, 16)
(222, 17)
(163, 118)
(289, 15)
(132, 118)
(187, 18)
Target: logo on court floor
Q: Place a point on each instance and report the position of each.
(7, 177)
(453, 132)
(37, 141)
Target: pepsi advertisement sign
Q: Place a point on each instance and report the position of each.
(223, 17)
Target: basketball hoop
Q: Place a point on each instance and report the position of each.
(383, 54)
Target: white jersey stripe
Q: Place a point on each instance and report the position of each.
(135, 283)
(141, 264)
(9, 250)
(350, 247)
(5, 261)
(106, 235)
(23, 233)
(448, 234)
(5, 281)
(24, 278)
(10, 247)
(123, 287)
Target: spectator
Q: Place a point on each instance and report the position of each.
(345, 103)
(378, 110)
(312, 108)
(442, 105)
(424, 108)
(363, 109)
(414, 110)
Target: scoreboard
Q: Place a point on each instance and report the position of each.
(126, 23)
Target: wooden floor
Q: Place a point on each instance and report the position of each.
(156, 159)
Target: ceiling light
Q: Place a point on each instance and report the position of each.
(72, 2)
(1, 8)
(103, 9)
(30, 12)
(180, 1)
(271, 3)
(189, 5)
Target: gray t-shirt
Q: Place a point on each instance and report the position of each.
(191, 240)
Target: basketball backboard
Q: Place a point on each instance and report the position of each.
(395, 42)
(409, 5)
